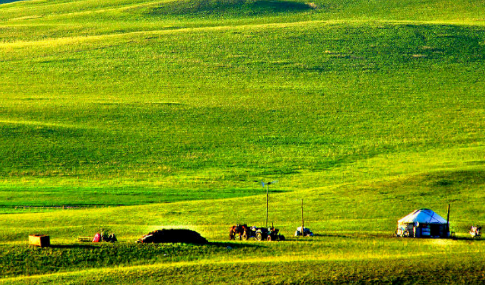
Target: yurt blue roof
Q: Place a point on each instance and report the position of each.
(423, 216)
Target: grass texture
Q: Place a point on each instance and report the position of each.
(139, 115)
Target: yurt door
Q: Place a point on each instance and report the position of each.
(435, 230)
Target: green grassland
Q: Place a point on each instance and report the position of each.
(133, 115)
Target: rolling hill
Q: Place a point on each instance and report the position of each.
(137, 115)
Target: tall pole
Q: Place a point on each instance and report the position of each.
(448, 220)
(267, 198)
(302, 220)
(267, 204)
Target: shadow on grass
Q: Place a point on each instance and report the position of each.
(231, 6)
(280, 6)
(467, 239)
(8, 1)
(356, 235)
(87, 246)
(235, 245)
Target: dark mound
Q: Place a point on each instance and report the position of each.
(173, 236)
(243, 7)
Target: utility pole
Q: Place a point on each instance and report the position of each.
(448, 220)
(302, 220)
(267, 198)
(267, 205)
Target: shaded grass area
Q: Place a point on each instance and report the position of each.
(330, 272)
(332, 260)
(69, 257)
(8, 1)
(237, 7)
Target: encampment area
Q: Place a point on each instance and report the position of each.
(423, 223)
(339, 116)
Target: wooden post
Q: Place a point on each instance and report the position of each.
(448, 220)
(267, 204)
(302, 220)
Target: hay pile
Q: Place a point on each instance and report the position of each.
(173, 236)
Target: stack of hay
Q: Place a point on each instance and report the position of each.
(173, 236)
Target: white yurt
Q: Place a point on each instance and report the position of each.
(423, 223)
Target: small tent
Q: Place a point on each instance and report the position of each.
(306, 232)
(423, 223)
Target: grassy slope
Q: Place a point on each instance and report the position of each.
(125, 108)
(365, 112)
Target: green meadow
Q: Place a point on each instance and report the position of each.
(137, 115)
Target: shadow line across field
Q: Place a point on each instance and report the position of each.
(9, 1)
